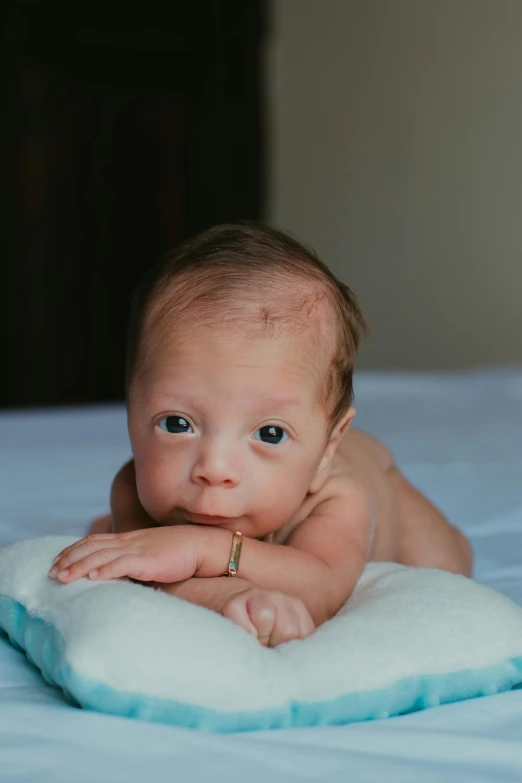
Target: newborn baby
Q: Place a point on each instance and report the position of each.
(239, 397)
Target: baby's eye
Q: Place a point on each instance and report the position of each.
(271, 434)
(175, 424)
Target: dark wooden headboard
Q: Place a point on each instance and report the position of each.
(123, 131)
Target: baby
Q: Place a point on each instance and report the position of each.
(239, 397)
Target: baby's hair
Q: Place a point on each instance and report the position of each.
(251, 275)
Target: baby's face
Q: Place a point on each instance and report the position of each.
(227, 430)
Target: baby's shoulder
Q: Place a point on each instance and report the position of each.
(343, 497)
(344, 480)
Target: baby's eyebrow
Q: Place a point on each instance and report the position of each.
(279, 402)
(272, 401)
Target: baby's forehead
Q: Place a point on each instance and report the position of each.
(245, 361)
(296, 314)
(310, 344)
(247, 343)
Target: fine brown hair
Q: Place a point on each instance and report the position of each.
(227, 274)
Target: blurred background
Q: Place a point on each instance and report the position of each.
(387, 134)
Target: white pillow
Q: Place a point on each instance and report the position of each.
(407, 639)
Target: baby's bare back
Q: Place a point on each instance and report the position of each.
(407, 527)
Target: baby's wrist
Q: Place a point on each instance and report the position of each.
(212, 593)
(227, 589)
(216, 552)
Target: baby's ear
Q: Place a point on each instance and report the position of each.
(339, 431)
(331, 447)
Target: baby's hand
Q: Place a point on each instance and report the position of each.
(273, 617)
(167, 554)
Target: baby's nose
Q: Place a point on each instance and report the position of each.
(216, 469)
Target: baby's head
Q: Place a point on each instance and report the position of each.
(239, 379)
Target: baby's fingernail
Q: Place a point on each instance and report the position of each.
(63, 574)
(253, 631)
(53, 571)
(94, 573)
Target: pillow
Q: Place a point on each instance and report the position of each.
(407, 639)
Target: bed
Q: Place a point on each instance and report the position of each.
(458, 437)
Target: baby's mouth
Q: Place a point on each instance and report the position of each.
(205, 519)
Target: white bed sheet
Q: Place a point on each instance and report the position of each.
(458, 437)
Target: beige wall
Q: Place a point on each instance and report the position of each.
(396, 151)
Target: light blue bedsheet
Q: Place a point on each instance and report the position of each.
(459, 437)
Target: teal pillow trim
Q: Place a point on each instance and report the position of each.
(45, 648)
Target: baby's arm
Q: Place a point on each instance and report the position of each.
(323, 559)
(283, 591)
(317, 569)
(126, 509)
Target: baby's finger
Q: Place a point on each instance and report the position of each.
(305, 623)
(124, 565)
(262, 613)
(83, 549)
(236, 610)
(286, 627)
(97, 537)
(85, 565)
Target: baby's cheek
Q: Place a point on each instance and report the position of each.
(156, 486)
(281, 501)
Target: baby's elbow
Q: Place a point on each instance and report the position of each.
(333, 599)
